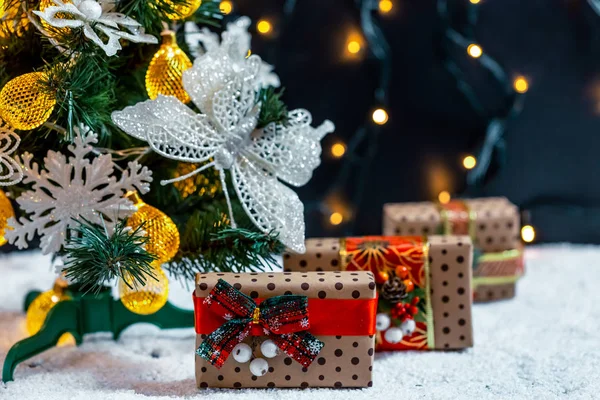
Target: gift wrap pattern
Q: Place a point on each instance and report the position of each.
(493, 224)
(439, 266)
(341, 315)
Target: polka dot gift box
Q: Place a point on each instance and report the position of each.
(492, 223)
(291, 329)
(424, 285)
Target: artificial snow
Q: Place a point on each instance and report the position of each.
(543, 344)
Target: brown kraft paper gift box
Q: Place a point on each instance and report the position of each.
(445, 260)
(344, 361)
(493, 223)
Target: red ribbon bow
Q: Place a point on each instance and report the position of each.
(284, 319)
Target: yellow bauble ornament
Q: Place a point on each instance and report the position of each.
(147, 299)
(166, 68)
(198, 184)
(24, 104)
(162, 233)
(40, 307)
(13, 20)
(182, 11)
(6, 211)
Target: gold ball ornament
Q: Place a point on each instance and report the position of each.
(147, 299)
(182, 10)
(40, 307)
(166, 68)
(198, 184)
(23, 102)
(162, 233)
(13, 20)
(6, 212)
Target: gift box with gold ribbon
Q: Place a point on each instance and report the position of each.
(424, 285)
(285, 329)
(493, 225)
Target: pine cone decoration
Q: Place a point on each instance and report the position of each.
(394, 290)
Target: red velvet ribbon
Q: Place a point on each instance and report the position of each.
(328, 317)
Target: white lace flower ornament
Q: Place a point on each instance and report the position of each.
(224, 136)
(236, 41)
(11, 172)
(70, 189)
(95, 17)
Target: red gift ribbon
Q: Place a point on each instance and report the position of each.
(328, 317)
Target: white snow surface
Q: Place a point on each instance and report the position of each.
(544, 344)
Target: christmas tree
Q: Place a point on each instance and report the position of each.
(134, 137)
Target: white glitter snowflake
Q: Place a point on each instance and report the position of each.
(70, 189)
(315, 346)
(304, 323)
(228, 316)
(11, 172)
(236, 41)
(208, 300)
(225, 136)
(97, 22)
(242, 336)
(275, 324)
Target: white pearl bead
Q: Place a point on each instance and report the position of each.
(382, 322)
(259, 366)
(91, 9)
(242, 353)
(269, 349)
(408, 327)
(393, 335)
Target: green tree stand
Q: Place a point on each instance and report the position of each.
(87, 313)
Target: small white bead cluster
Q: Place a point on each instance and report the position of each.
(242, 353)
(394, 335)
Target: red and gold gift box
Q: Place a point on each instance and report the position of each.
(424, 285)
(320, 327)
(492, 223)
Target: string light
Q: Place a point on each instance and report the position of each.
(263, 26)
(474, 1)
(444, 197)
(336, 218)
(520, 84)
(380, 116)
(469, 162)
(226, 7)
(385, 6)
(338, 150)
(353, 47)
(474, 50)
(528, 233)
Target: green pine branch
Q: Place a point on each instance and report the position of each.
(84, 90)
(272, 109)
(151, 13)
(94, 258)
(207, 243)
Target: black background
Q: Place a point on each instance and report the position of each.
(551, 165)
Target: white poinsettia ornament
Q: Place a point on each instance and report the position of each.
(97, 20)
(11, 172)
(236, 41)
(225, 136)
(72, 188)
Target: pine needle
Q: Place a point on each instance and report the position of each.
(272, 109)
(94, 258)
